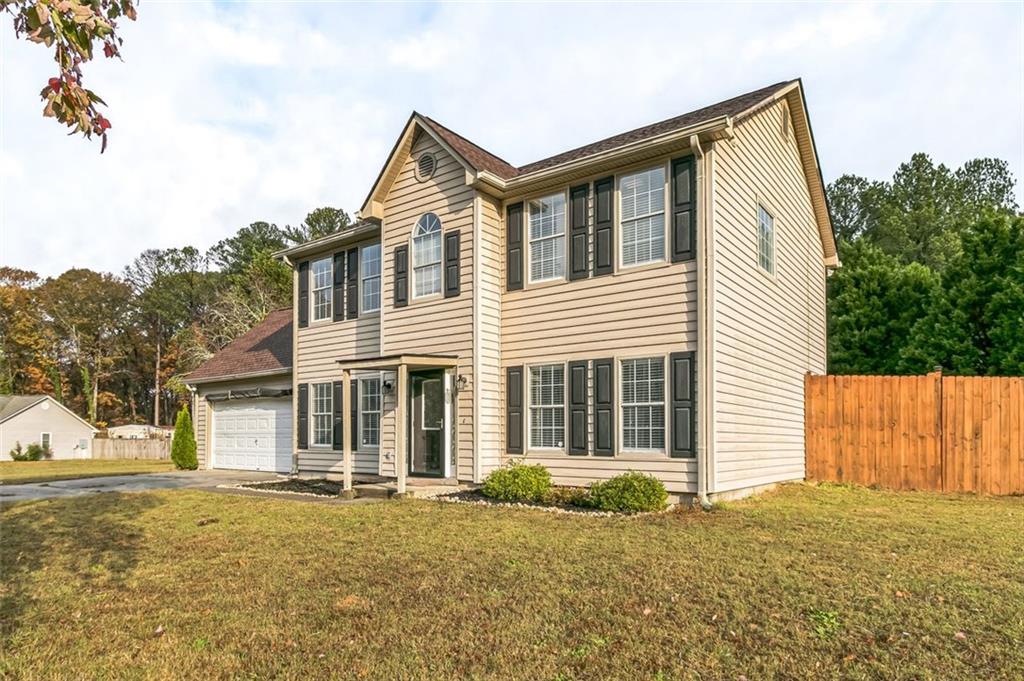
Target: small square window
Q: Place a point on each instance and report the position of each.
(765, 240)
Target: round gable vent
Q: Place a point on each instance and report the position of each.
(425, 166)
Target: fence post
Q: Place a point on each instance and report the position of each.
(936, 376)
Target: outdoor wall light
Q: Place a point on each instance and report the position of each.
(461, 382)
(386, 387)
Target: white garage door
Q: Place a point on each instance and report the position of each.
(253, 435)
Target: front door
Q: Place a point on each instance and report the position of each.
(427, 423)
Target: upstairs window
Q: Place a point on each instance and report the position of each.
(322, 275)
(547, 238)
(369, 412)
(765, 240)
(547, 406)
(642, 207)
(426, 256)
(369, 263)
(643, 404)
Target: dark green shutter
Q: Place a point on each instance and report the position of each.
(303, 418)
(452, 274)
(303, 294)
(684, 209)
(401, 276)
(338, 412)
(683, 422)
(339, 286)
(353, 283)
(514, 410)
(354, 408)
(514, 247)
(579, 234)
(578, 425)
(604, 407)
(604, 226)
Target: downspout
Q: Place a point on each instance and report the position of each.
(703, 364)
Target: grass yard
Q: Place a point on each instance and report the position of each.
(808, 582)
(19, 472)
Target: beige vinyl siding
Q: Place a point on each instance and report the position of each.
(435, 325)
(768, 330)
(490, 285)
(319, 346)
(644, 311)
(202, 420)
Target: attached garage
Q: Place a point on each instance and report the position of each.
(252, 435)
(243, 400)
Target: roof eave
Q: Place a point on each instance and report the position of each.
(237, 377)
(345, 236)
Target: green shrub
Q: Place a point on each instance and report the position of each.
(568, 496)
(629, 493)
(18, 454)
(34, 452)
(183, 446)
(518, 482)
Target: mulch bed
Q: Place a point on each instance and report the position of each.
(316, 486)
(475, 497)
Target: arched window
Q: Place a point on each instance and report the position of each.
(426, 256)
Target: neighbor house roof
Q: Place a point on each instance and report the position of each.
(264, 349)
(12, 405)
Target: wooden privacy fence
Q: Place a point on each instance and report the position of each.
(103, 448)
(951, 434)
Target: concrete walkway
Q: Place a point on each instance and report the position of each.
(207, 479)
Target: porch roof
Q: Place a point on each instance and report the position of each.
(411, 361)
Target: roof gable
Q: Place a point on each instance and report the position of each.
(264, 349)
(13, 405)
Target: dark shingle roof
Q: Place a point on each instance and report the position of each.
(482, 159)
(13, 404)
(265, 348)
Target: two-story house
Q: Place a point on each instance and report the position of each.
(647, 302)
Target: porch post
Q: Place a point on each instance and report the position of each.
(346, 420)
(401, 446)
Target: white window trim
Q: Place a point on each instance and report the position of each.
(621, 405)
(529, 448)
(565, 237)
(666, 166)
(379, 277)
(760, 204)
(329, 288)
(412, 260)
(312, 414)
(50, 436)
(359, 411)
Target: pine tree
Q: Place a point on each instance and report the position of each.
(183, 448)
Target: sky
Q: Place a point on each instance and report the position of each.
(226, 113)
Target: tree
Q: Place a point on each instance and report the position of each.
(234, 254)
(26, 346)
(854, 203)
(320, 222)
(183, 446)
(72, 28)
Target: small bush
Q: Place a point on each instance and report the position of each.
(18, 454)
(34, 452)
(183, 446)
(518, 482)
(629, 493)
(568, 496)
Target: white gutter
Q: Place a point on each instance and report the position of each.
(236, 377)
(704, 406)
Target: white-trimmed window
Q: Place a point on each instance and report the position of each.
(322, 416)
(369, 411)
(323, 276)
(643, 404)
(642, 221)
(46, 440)
(369, 264)
(547, 238)
(547, 406)
(426, 256)
(765, 240)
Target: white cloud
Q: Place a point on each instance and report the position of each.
(224, 115)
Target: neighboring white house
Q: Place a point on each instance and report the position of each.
(40, 419)
(139, 431)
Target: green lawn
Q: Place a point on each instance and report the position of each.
(827, 582)
(17, 472)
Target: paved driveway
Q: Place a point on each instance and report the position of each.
(128, 483)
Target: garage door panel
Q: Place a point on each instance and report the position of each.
(252, 435)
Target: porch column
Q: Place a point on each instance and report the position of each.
(346, 430)
(401, 447)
